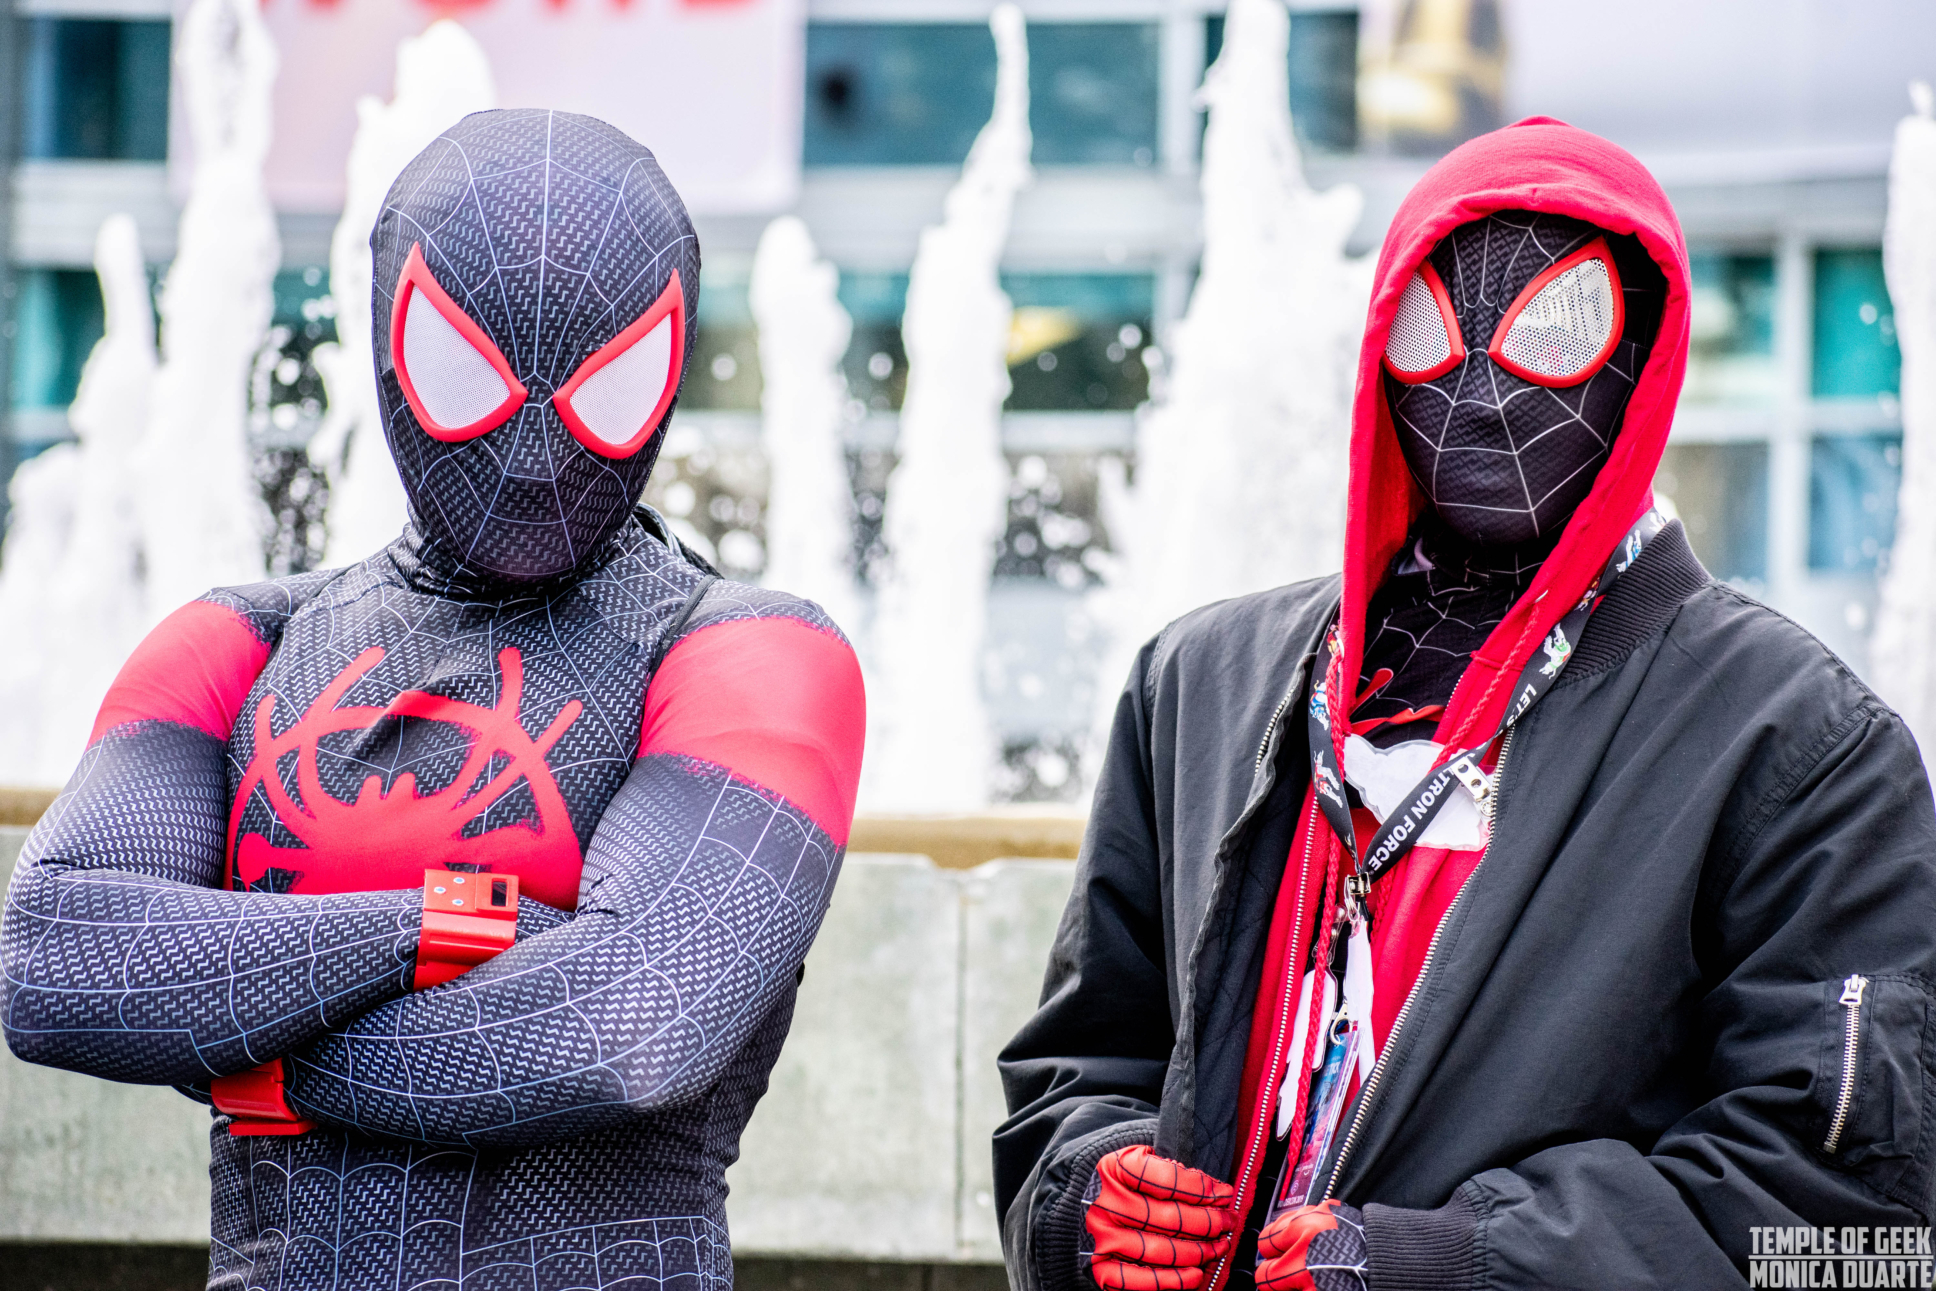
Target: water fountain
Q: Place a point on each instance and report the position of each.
(71, 589)
(1240, 465)
(1902, 655)
(442, 76)
(930, 747)
(803, 407)
(200, 514)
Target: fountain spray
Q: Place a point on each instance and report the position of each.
(1240, 466)
(931, 748)
(1902, 658)
(202, 519)
(803, 408)
(442, 76)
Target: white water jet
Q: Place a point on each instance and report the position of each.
(442, 76)
(931, 747)
(803, 405)
(1240, 463)
(71, 590)
(1902, 656)
(202, 518)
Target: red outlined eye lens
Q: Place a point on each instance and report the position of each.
(613, 403)
(1565, 325)
(454, 377)
(1424, 341)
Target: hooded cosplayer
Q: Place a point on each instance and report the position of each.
(641, 775)
(1624, 912)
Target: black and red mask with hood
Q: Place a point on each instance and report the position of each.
(1523, 433)
(536, 294)
(1523, 353)
(1511, 357)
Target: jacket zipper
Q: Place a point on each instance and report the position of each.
(1851, 1045)
(1291, 979)
(1488, 808)
(1270, 728)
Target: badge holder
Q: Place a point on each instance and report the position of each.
(467, 919)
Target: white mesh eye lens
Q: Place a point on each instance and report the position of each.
(616, 402)
(1418, 342)
(455, 384)
(1568, 328)
(618, 396)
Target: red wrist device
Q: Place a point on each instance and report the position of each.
(255, 1101)
(467, 918)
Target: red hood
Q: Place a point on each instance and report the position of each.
(1537, 165)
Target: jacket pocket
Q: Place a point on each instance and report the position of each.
(1869, 1095)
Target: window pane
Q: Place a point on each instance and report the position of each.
(1852, 483)
(913, 94)
(1076, 341)
(95, 89)
(1323, 75)
(286, 404)
(1731, 357)
(59, 316)
(1855, 328)
(876, 363)
(1054, 520)
(896, 94)
(286, 397)
(1092, 93)
(1075, 344)
(725, 368)
(1720, 492)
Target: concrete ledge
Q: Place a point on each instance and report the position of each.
(22, 807)
(963, 842)
(872, 1143)
(952, 842)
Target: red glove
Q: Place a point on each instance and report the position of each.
(1156, 1223)
(1314, 1248)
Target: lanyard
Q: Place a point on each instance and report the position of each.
(1402, 828)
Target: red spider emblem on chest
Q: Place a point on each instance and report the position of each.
(386, 840)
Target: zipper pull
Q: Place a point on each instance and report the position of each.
(1852, 990)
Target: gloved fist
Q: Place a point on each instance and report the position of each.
(1314, 1248)
(1155, 1222)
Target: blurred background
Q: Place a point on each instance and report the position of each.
(1768, 123)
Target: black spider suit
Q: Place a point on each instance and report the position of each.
(533, 679)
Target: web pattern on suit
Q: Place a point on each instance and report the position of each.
(562, 1116)
(1440, 602)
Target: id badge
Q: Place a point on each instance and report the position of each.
(1327, 1111)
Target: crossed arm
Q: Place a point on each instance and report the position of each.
(700, 897)
(122, 957)
(702, 890)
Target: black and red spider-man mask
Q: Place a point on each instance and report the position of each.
(1511, 357)
(536, 288)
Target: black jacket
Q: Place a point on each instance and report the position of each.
(1629, 1047)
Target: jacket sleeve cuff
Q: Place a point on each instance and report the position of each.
(1423, 1250)
(1058, 1237)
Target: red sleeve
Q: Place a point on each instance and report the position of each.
(774, 701)
(194, 669)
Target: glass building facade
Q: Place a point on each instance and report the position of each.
(1786, 454)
